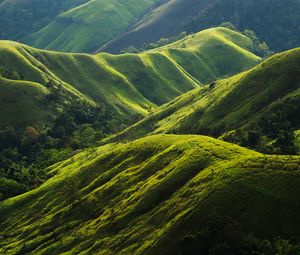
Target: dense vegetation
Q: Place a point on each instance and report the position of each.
(225, 236)
(259, 48)
(274, 21)
(19, 18)
(24, 156)
(66, 102)
(114, 26)
(143, 197)
(114, 154)
(257, 109)
(84, 28)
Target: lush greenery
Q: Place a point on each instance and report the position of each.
(19, 18)
(66, 102)
(225, 236)
(76, 26)
(110, 154)
(274, 21)
(161, 42)
(259, 48)
(112, 26)
(144, 196)
(257, 108)
(24, 156)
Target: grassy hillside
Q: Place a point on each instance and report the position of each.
(164, 21)
(130, 84)
(263, 101)
(19, 18)
(84, 28)
(56, 103)
(143, 197)
(274, 21)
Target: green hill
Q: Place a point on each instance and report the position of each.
(257, 108)
(128, 84)
(84, 28)
(19, 18)
(87, 25)
(274, 21)
(143, 197)
(53, 104)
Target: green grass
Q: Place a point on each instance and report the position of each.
(239, 101)
(18, 98)
(86, 27)
(131, 85)
(141, 197)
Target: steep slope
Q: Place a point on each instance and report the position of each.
(264, 99)
(19, 18)
(274, 21)
(142, 197)
(84, 28)
(128, 84)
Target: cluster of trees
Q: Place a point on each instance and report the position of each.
(274, 21)
(161, 42)
(275, 133)
(25, 153)
(223, 236)
(259, 48)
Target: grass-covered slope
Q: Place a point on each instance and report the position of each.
(264, 99)
(19, 18)
(128, 84)
(166, 20)
(84, 28)
(143, 197)
(274, 21)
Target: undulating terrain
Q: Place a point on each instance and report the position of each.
(274, 21)
(144, 197)
(111, 26)
(67, 101)
(258, 108)
(128, 84)
(149, 127)
(77, 26)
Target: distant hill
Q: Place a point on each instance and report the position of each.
(128, 84)
(256, 108)
(19, 18)
(84, 28)
(274, 21)
(144, 197)
(111, 26)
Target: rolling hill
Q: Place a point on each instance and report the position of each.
(84, 28)
(111, 26)
(143, 197)
(53, 104)
(19, 18)
(274, 21)
(128, 85)
(260, 103)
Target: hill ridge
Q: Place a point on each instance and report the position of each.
(134, 198)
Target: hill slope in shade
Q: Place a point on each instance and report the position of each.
(19, 18)
(128, 84)
(84, 28)
(142, 197)
(265, 97)
(274, 21)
